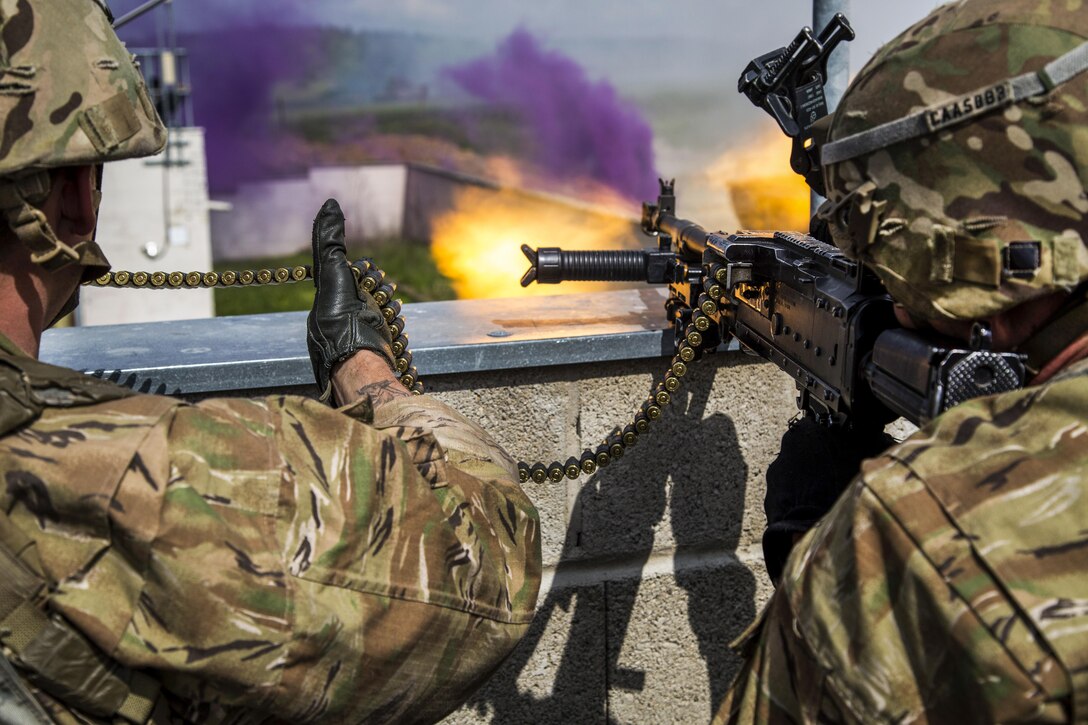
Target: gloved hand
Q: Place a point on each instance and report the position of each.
(814, 466)
(344, 318)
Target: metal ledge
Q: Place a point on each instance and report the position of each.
(269, 351)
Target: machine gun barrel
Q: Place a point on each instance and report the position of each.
(552, 265)
(687, 236)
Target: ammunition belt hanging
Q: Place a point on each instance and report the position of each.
(367, 275)
(374, 281)
(661, 394)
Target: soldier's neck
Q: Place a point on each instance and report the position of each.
(21, 308)
(31, 296)
(20, 322)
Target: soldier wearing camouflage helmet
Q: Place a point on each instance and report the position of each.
(948, 582)
(235, 560)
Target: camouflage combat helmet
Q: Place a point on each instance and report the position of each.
(957, 162)
(70, 95)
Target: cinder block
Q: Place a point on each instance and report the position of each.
(530, 413)
(697, 478)
(668, 642)
(557, 675)
(760, 401)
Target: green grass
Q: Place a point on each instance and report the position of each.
(409, 264)
(481, 129)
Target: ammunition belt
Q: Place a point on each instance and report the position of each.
(367, 275)
(613, 447)
(374, 281)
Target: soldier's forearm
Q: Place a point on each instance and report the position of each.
(468, 445)
(366, 373)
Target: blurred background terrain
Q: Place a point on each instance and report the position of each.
(474, 127)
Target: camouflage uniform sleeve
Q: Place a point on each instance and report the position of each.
(943, 581)
(465, 444)
(865, 629)
(291, 560)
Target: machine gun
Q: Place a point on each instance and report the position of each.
(800, 303)
(787, 297)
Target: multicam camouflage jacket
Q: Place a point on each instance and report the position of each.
(272, 558)
(949, 583)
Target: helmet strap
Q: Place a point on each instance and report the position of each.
(17, 202)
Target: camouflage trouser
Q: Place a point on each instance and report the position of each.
(948, 583)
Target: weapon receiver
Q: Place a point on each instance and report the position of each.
(792, 298)
(800, 303)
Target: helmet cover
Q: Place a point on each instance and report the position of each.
(985, 207)
(70, 95)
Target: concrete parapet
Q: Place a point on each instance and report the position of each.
(653, 565)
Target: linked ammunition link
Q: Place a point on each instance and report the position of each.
(203, 280)
(367, 275)
(616, 444)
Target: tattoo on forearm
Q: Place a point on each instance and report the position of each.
(383, 391)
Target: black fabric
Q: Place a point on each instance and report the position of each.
(344, 319)
(69, 307)
(814, 465)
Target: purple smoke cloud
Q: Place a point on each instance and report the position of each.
(235, 73)
(239, 52)
(580, 128)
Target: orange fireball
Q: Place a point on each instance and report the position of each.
(477, 243)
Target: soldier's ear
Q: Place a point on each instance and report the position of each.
(78, 208)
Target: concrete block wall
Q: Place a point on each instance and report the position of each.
(428, 194)
(653, 565)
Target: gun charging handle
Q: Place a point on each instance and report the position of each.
(552, 265)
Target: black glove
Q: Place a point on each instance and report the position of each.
(814, 466)
(344, 318)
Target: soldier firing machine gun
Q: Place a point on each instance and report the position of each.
(787, 297)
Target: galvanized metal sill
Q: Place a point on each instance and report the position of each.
(260, 352)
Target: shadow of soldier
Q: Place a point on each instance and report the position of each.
(610, 606)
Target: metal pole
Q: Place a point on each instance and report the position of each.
(133, 14)
(838, 65)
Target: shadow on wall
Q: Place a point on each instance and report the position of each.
(639, 659)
